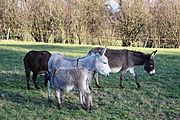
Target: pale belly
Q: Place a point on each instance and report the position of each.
(115, 69)
(68, 89)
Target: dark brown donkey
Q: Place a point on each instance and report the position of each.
(126, 60)
(37, 62)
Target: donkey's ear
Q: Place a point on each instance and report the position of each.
(153, 54)
(103, 51)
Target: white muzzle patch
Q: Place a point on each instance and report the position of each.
(152, 72)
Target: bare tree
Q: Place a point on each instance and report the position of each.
(137, 22)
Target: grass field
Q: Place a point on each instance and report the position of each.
(158, 98)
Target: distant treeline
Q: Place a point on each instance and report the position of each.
(135, 23)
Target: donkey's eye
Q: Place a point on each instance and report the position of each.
(105, 62)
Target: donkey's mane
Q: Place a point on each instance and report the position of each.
(138, 53)
(82, 57)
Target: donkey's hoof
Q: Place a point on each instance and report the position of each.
(98, 86)
(37, 87)
(49, 100)
(59, 107)
(121, 86)
(45, 84)
(88, 109)
(91, 107)
(28, 87)
(138, 87)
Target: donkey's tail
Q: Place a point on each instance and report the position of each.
(26, 63)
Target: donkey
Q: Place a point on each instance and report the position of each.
(96, 62)
(66, 79)
(37, 62)
(126, 60)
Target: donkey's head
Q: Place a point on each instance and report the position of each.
(101, 62)
(150, 63)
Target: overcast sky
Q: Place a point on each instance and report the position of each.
(113, 5)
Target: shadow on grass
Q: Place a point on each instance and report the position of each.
(69, 102)
(17, 97)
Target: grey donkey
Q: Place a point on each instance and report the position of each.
(65, 80)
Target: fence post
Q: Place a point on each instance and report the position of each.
(7, 37)
(146, 41)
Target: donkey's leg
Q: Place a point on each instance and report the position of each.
(85, 95)
(49, 91)
(82, 90)
(96, 79)
(34, 77)
(122, 78)
(45, 82)
(58, 96)
(46, 78)
(88, 101)
(82, 100)
(134, 75)
(28, 78)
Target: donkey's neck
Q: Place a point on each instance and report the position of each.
(88, 63)
(139, 58)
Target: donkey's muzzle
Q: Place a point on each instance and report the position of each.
(152, 72)
(107, 74)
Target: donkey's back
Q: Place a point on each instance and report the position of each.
(58, 60)
(118, 59)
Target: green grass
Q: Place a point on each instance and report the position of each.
(158, 98)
